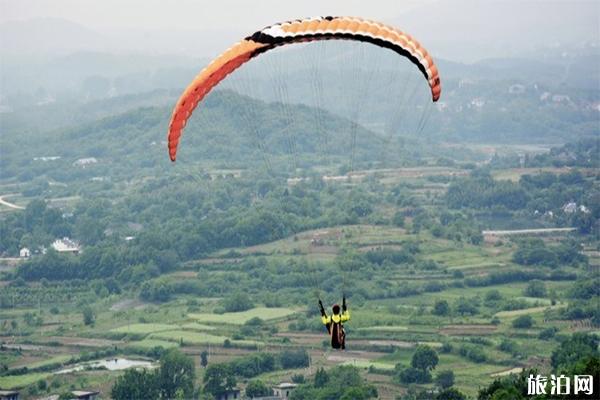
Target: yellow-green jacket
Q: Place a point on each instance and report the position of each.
(336, 318)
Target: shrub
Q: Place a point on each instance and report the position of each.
(548, 333)
(523, 322)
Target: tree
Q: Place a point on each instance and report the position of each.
(523, 322)
(451, 394)
(135, 385)
(204, 358)
(88, 316)
(89, 230)
(257, 388)
(294, 359)
(441, 307)
(239, 301)
(572, 349)
(535, 288)
(513, 387)
(176, 373)
(424, 358)
(412, 375)
(445, 379)
(321, 378)
(492, 296)
(465, 307)
(398, 219)
(218, 379)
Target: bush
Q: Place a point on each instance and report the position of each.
(450, 394)
(412, 375)
(257, 388)
(441, 307)
(294, 359)
(88, 316)
(548, 333)
(444, 379)
(535, 288)
(465, 306)
(237, 302)
(473, 353)
(507, 346)
(523, 322)
(492, 296)
(446, 348)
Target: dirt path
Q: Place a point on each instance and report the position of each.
(10, 205)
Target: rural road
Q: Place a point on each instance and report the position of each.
(10, 205)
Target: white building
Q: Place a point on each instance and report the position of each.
(478, 102)
(561, 98)
(85, 395)
(46, 158)
(66, 245)
(284, 390)
(82, 162)
(570, 207)
(24, 253)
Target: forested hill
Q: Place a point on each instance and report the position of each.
(230, 130)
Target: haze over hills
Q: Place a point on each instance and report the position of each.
(551, 49)
(35, 51)
(471, 30)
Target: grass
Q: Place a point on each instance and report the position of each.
(468, 375)
(239, 318)
(19, 381)
(142, 328)
(193, 338)
(189, 337)
(194, 326)
(53, 360)
(514, 174)
(151, 343)
(366, 364)
(526, 311)
(379, 328)
(399, 356)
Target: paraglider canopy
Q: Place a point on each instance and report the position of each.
(297, 31)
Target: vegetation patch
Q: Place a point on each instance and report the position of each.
(239, 318)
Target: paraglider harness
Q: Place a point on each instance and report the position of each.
(334, 325)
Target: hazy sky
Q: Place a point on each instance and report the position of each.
(195, 14)
(462, 30)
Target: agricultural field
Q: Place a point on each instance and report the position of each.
(384, 332)
(416, 273)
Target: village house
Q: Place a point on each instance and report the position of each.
(66, 245)
(284, 390)
(82, 162)
(477, 102)
(231, 394)
(85, 395)
(24, 253)
(571, 207)
(9, 395)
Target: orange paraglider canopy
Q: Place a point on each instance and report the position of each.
(305, 30)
